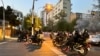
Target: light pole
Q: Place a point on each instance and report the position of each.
(33, 20)
(3, 20)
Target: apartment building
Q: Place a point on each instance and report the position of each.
(62, 5)
(43, 17)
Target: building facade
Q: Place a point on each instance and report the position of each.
(43, 17)
(62, 5)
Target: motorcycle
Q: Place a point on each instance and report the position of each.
(76, 49)
(58, 41)
(81, 49)
(37, 39)
(21, 38)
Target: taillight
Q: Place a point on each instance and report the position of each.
(88, 45)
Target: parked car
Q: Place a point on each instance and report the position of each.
(95, 40)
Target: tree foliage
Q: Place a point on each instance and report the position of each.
(93, 23)
(28, 22)
(61, 24)
(9, 16)
(1, 12)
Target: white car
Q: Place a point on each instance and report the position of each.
(95, 40)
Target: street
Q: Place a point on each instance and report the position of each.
(95, 51)
(66, 26)
(13, 48)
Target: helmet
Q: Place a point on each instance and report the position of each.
(85, 30)
(75, 31)
(36, 29)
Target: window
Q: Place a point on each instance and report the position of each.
(65, 2)
(65, 7)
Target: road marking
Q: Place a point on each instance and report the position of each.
(59, 53)
(2, 43)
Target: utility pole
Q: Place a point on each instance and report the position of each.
(33, 17)
(99, 5)
(3, 20)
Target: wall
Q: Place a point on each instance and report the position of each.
(7, 33)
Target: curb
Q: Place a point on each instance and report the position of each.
(2, 43)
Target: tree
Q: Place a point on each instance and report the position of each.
(1, 12)
(9, 16)
(38, 22)
(93, 23)
(97, 6)
(62, 25)
(61, 15)
(27, 22)
(50, 25)
(72, 25)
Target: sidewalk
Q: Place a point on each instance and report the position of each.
(8, 39)
(12, 48)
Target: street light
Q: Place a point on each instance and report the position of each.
(3, 20)
(33, 17)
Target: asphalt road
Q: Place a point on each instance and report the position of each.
(95, 51)
(13, 48)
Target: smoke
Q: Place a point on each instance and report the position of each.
(81, 24)
(92, 23)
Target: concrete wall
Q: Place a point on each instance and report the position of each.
(7, 33)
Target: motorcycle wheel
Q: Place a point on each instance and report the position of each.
(65, 49)
(29, 40)
(40, 42)
(19, 40)
(54, 43)
(83, 51)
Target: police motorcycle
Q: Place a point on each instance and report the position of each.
(37, 38)
(58, 40)
(76, 48)
(21, 36)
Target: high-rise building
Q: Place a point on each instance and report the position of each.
(43, 17)
(62, 5)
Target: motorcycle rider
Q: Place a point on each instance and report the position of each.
(59, 36)
(76, 36)
(35, 36)
(73, 38)
(85, 36)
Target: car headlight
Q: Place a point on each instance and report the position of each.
(94, 41)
